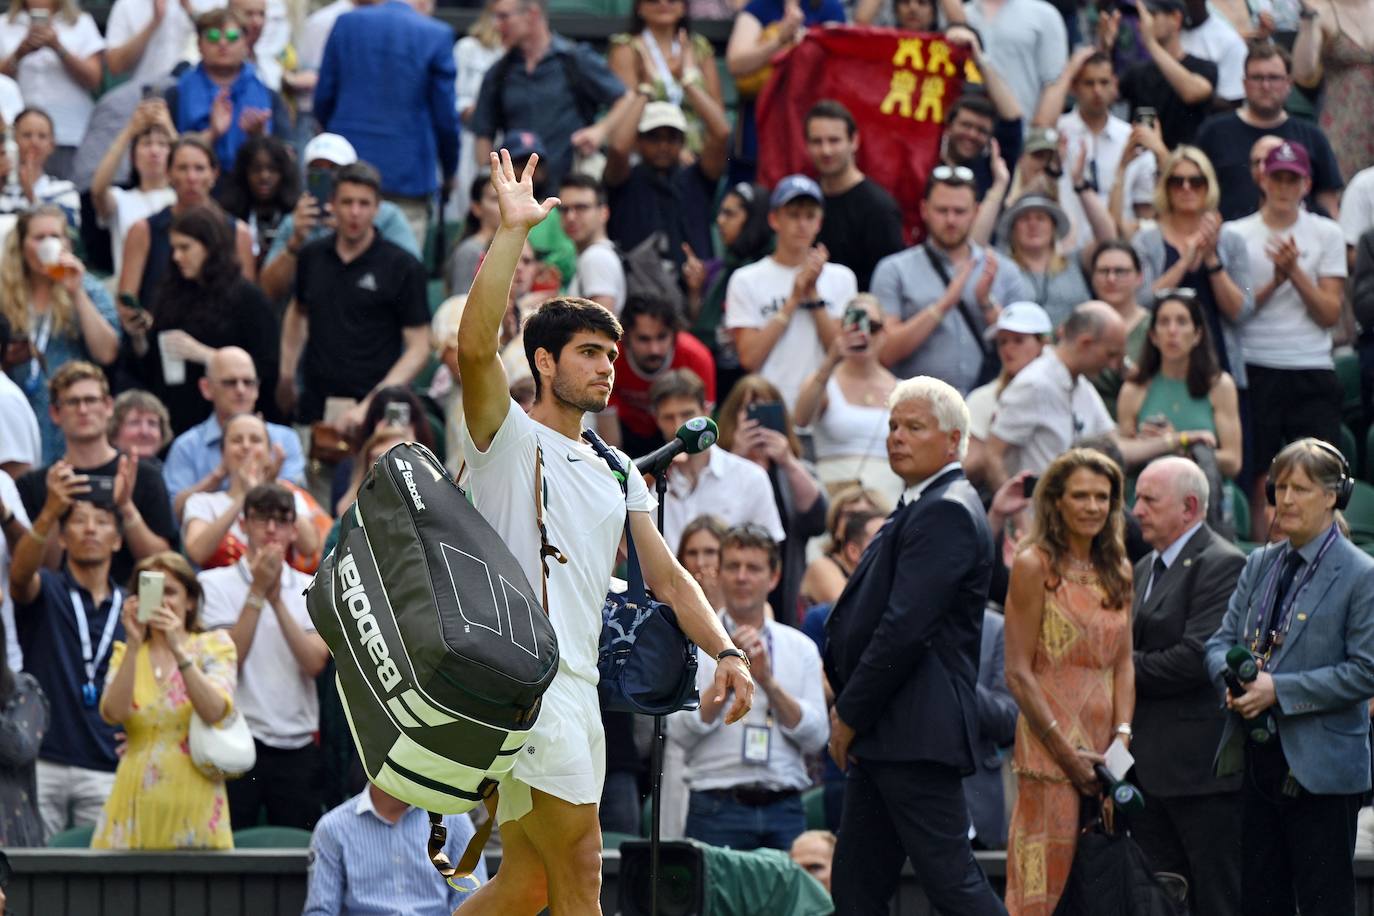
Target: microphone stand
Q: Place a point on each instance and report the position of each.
(656, 755)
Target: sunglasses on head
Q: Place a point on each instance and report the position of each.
(1175, 293)
(1193, 182)
(952, 174)
(215, 36)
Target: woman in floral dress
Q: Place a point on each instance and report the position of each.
(167, 669)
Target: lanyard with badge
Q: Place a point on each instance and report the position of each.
(89, 693)
(758, 739)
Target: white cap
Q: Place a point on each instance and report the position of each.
(331, 148)
(662, 114)
(1022, 318)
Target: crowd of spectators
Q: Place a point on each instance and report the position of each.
(1149, 225)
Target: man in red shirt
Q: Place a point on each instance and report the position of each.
(654, 343)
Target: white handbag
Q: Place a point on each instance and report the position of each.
(224, 750)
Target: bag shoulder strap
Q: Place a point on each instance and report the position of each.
(546, 550)
(939, 267)
(472, 854)
(635, 589)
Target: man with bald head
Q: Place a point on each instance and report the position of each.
(193, 464)
(1051, 403)
(1192, 822)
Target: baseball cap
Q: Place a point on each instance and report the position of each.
(662, 114)
(792, 187)
(331, 148)
(1022, 318)
(1040, 139)
(522, 144)
(1289, 156)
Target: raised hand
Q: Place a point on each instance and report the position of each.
(519, 208)
(983, 288)
(693, 271)
(221, 114)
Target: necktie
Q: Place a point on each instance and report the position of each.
(1286, 575)
(1157, 572)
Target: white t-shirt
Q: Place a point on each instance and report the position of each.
(1105, 150)
(1280, 334)
(209, 506)
(9, 496)
(1357, 206)
(600, 273)
(584, 513)
(1044, 411)
(982, 407)
(20, 439)
(11, 99)
(278, 699)
(45, 83)
(130, 206)
(757, 292)
(171, 42)
(1218, 41)
(315, 33)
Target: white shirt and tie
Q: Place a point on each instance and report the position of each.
(1166, 558)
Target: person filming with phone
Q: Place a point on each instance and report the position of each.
(166, 668)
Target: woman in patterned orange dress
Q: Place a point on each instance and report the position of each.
(1068, 650)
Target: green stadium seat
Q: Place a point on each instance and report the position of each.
(1348, 371)
(1359, 515)
(813, 802)
(1349, 447)
(271, 838)
(612, 839)
(72, 838)
(1240, 509)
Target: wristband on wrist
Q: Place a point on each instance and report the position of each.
(737, 653)
(1182, 442)
(1124, 728)
(256, 602)
(185, 663)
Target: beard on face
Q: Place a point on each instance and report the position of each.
(590, 401)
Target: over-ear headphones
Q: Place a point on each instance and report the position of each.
(1345, 487)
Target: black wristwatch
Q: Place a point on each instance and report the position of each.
(1084, 186)
(1214, 269)
(737, 653)
(811, 305)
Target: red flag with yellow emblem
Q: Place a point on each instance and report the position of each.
(899, 87)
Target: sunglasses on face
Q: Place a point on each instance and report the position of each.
(1192, 182)
(215, 36)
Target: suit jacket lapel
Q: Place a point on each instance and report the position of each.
(893, 520)
(1161, 589)
(1309, 600)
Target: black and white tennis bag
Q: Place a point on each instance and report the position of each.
(442, 648)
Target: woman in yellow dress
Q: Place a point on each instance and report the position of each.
(167, 668)
(1069, 666)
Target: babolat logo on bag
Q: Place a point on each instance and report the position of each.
(355, 599)
(408, 474)
(439, 708)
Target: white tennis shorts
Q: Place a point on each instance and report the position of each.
(565, 755)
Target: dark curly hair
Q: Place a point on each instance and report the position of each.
(1050, 533)
(200, 304)
(1203, 367)
(237, 197)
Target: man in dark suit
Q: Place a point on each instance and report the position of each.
(1191, 822)
(902, 655)
(997, 712)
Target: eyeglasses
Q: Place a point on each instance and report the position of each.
(1113, 272)
(83, 403)
(952, 174)
(1179, 293)
(577, 208)
(1192, 182)
(1272, 79)
(237, 382)
(269, 518)
(215, 36)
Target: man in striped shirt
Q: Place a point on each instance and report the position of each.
(367, 858)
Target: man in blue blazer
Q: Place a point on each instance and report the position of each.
(902, 656)
(386, 84)
(997, 712)
(1305, 608)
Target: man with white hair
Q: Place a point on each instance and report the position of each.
(1192, 825)
(905, 636)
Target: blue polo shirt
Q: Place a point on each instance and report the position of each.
(197, 452)
(48, 634)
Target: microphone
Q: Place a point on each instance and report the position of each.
(1241, 670)
(696, 435)
(1125, 795)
